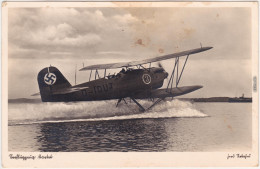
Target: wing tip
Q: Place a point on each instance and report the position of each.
(208, 48)
(83, 69)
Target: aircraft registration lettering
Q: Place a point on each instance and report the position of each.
(103, 88)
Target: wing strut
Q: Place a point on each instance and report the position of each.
(96, 74)
(182, 70)
(90, 75)
(105, 73)
(178, 77)
(172, 76)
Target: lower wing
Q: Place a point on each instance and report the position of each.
(163, 93)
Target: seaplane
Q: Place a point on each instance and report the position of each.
(136, 81)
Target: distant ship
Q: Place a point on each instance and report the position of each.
(240, 99)
(220, 99)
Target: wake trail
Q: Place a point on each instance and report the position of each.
(97, 111)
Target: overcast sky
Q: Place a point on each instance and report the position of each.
(64, 37)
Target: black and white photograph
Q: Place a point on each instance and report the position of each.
(130, 77)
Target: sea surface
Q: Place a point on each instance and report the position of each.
(173, 126)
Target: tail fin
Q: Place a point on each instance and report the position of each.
(50, 79)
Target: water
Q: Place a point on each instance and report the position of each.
(100, 127)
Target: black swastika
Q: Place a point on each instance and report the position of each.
(50, 78)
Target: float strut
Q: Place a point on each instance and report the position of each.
(119, 100)
(156, 102)
(140, 106)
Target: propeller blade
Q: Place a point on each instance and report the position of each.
(160, 65)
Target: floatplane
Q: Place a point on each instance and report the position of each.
(134, 81)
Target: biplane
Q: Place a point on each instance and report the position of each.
(134, 81)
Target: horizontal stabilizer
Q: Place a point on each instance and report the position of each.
(69, 90)
(36, 94)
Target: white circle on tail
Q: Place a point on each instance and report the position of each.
(50, 78)
(147, 78)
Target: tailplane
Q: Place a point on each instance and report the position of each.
(50, 79)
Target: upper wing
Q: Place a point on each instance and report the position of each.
(155, 59)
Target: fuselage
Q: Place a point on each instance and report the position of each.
(124, 84)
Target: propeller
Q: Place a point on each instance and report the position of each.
(160, 65)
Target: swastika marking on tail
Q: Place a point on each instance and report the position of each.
(50, 78)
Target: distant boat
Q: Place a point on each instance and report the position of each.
(240, 99)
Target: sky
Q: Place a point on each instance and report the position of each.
(68, 37)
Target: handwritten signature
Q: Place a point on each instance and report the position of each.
(233, 156)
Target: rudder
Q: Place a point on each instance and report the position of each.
(51, 79)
